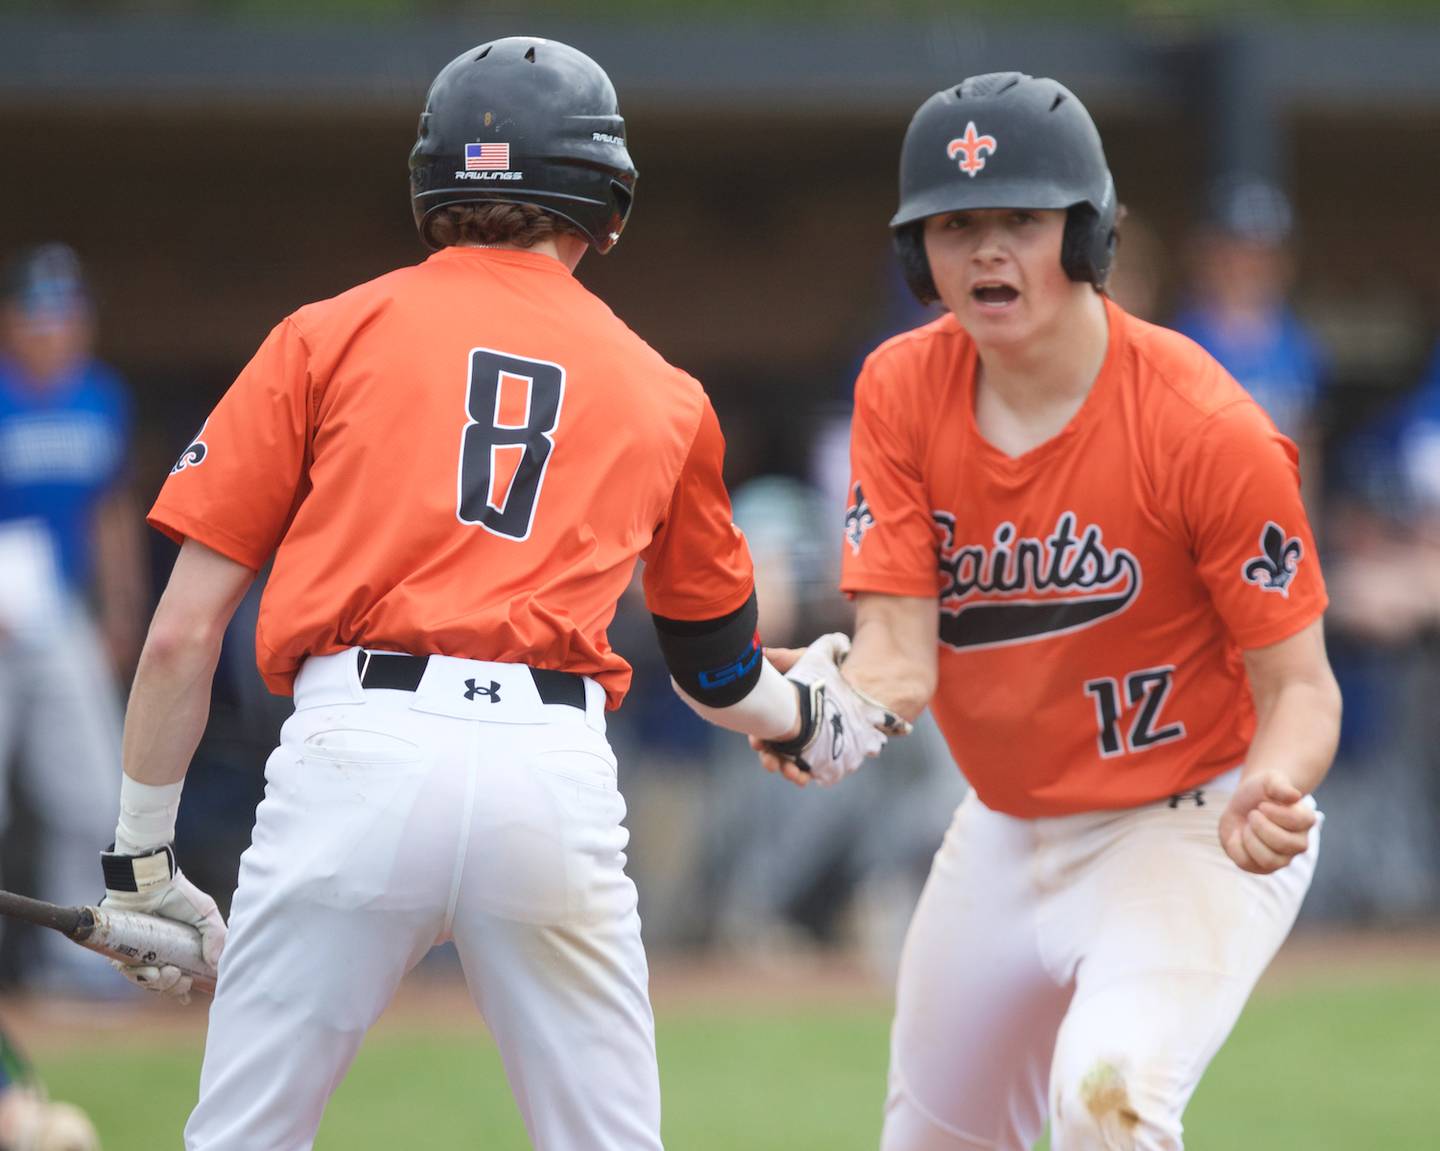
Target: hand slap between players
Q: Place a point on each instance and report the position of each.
(1266, 823)
(840, 727)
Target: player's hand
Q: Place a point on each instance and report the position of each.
(154, 884)
(839, 727)
(784, 658)
(1266, 824)
(779, 764)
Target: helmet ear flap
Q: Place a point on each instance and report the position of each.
(1088, 247)
(914, 264)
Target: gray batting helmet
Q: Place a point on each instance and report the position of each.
(1006, 140)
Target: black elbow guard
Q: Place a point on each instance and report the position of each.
(715, 661)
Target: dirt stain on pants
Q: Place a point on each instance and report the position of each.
(1105, 1096)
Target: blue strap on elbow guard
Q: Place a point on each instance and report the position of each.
(715, 661)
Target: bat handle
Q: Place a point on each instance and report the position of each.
(146, 940)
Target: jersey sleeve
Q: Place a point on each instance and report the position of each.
(1240, 501)
(697, 566)
(234, 489)
(890, 543)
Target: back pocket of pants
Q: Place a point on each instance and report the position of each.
(582, 767)
(359, 745)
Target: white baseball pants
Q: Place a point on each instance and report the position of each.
(393, 820)
(1087, 968)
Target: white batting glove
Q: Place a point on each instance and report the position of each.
(154, 884)
(840, 727)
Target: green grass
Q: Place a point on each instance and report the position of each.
(1318, 1068)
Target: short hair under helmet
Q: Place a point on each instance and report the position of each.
(525, 121)
(1006, 140)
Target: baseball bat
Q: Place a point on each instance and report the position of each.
(129, 936)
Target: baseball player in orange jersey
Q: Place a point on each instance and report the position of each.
(1082, 544)
(455, 468)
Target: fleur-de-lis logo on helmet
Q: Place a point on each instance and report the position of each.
(973, 147)
(1274, 568)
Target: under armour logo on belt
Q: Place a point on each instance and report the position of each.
(492, 693)
(1198, 795)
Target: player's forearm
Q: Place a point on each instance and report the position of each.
(771, 710)
(902, 684)
(170, 698)
(892, 657)
(169, 704)
(718, 668)
(1297, 732)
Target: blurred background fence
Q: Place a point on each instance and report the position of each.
(217, 165)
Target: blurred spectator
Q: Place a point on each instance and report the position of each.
(1237, 307)
(68, 532)
(1383, 859)
(1395, 463)
(1387, 585)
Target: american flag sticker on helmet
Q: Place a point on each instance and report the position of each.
(487, 157)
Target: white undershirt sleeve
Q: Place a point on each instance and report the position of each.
(770, 711)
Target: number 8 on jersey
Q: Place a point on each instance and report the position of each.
(506, 445)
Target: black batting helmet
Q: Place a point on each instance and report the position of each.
(527, 121)
(1006, 140)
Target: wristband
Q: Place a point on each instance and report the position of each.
(137, 874)
(811, 699)
(147, 815)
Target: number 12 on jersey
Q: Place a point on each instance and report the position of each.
(513, 406)
(1144, 697)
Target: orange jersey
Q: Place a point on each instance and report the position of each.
(1096, 592)
(466, 458)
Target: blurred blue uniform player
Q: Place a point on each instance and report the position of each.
(1416, 431)
(1237, 309)
(69, 539)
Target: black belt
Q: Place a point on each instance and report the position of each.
(404, 672)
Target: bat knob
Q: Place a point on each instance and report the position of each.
(84, 924)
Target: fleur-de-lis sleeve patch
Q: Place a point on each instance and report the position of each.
(858, 519)
(1274, 568)
(195, 454)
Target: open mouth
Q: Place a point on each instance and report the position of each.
(994, 295)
